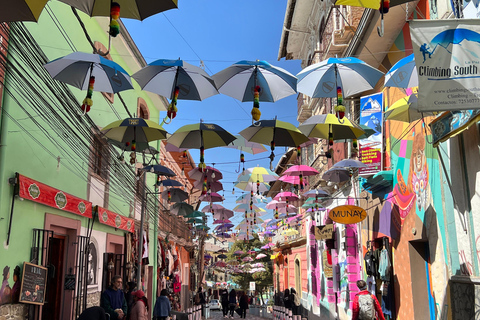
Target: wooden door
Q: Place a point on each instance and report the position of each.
(53, 303)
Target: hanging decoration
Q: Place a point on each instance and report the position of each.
(385, 6)
(242, 160)
(256, 104)
(169, 195)
(172, 108)
(301, 181)
(354, 143)
(114, 16)
(272, 154)
(202, 166)
(88, 102)
(276, 213)
(204, 188)
(299, 153)
(339, 108)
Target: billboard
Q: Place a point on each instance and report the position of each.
(371, 148)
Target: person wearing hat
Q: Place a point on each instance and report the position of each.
(140, 306)
(162, 306)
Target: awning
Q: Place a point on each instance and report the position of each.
(451, 123)
(115, 220)
(36, 191)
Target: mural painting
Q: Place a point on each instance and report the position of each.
(10, 294)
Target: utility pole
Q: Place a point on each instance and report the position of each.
(140, 242)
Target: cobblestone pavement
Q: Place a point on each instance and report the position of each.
(217, 315)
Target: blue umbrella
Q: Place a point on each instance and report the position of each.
(76, 69)
(169, 183)
(351, 74)
(160, 170)
(403, 74)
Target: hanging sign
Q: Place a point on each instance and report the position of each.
(347, 214)
(447, 63)
(324, 232)
(115, 220)
(370, 149)
(34, 282)
(36, 191)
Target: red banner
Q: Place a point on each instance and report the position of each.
(41, 193)
(115, 220)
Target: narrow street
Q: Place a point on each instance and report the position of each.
(217, 315)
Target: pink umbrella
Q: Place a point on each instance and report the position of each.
(222, 221)
(276, 204)
(260, 256)
(213, 186)
(247, 259)
(211, 173)
(212, 197)
(288, 209)
(238, 252)
(222, 214)
(286, 196)
(300, 169)
(251, 251)
(212, 208)
(293, 180)
(220, 264)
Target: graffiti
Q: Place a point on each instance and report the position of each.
(418, 175)
(466, 267)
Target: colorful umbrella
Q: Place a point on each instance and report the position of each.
(198, 135)
(252, 186)
(181, 209)
(212, 197)
(325, 126)
(336, 175)
(222, 221)
(223, 235)
(349, 163)
(244, 145)
(202, 227)
(246, 198)
(194, 221)
(134, 130)
(300, 169)
(246, 207)
(211, 173)
(220, 264)
(294, 180)
(238, 253)
(159, 170)
(174, 195)
(402, 74)
(169, 183)
(247, 259)
(195, 214)
(260, 256)
(24, 10)
(406, 110)
(269, 83)
(286, 196)
(316, 193)
(212, 186)
(222, 256)
(259, 174)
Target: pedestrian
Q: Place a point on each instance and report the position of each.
(243, 303)
(287, 302)
(295, 301)
(232, 302)
(140, 306)
(163, 307)
(113, 300)
(365, 304)
(200, 300)
(224, 302)
(131, 287)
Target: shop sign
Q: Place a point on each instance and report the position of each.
(451, 123)
(347, 214)
(371, 148)
(34, 280)
(252, 285)
(35, 191)
(324, 232)
(115, 220)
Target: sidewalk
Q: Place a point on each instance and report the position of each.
(217, 315)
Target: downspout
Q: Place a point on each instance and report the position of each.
(362, 27)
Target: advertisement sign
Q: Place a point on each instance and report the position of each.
(347, 214)
(115, 220)
(324, 232)
(36, 191)
(370, 149)
(252, 285)
(451, 123)
(448, 64)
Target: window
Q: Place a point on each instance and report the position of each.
(298, 277)
(142, 109)
(100, 47)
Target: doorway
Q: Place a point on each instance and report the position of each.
(52, 308)
(421, 287)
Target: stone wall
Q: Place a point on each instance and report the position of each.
(18, 311)
(93, 299)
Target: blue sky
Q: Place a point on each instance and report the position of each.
(220, 33)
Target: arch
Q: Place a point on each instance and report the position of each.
(142, 109)
(298, 275)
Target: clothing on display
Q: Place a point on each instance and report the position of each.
(384, 265)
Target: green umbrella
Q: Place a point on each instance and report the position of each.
(195, 220)
(182, 209)
(202, 227)
(195, 214)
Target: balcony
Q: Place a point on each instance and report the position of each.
(295, 240)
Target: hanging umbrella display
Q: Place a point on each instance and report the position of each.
(24, 10)
(212, 197)
(286, 196)
(318, 193)
(274, 133)
(133, 9)
(258, 174)
(255, 198)
(406, 110)
(213, 208)
(91, 72)
(142, 147)
(252, 186)
(299, 171)
(195, 221)
(214, 186)
(222, 221)
(247, 259)
(223, 235)
(181, 209)
(210, 173)
(243, 207)
(175, 79)
(174, 195)
(349, 163)
(169, 183)
(294, 180)
(402, 74)
(202, 228)
(201, 136)
(368, 131)
(222, 256)
(328, 126)
(195, 214)
(160, 170)
(255, 81)
(220, 264)
(244, 145)
(336, 175)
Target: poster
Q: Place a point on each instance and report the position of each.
(370, 149)
(448, 64)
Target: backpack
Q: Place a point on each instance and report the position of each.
(197, 298)
(366, 307)
(296, 300)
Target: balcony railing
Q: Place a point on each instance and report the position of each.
(281, 239)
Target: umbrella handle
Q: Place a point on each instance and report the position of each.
(380, 29)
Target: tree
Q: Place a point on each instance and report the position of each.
(264, 279)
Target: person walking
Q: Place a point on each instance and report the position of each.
(287, 302)
(232, 302)
(295, 301)
(140, 306)
(224, 302)
(365, 304)
(243, 303)
(162, 308)
(113, 301)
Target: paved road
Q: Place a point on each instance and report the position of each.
(217, 315)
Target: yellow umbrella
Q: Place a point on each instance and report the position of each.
(289, 232)
(406, 110)
(321, 125)
(134, 129)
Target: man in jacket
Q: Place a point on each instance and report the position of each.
(366, 303)
(113, 300)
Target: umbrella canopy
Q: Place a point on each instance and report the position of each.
(238, 253)
(260, 174)
(222, 256)
(223, 235)
(293, 180)
(283, 134)
(195, 214)
(244, 145)
(316, 193)
(175, 195)
(77, 67)
(402, 74)
(197, 135)
(406, 110)
(221, 221)
(246, 198)
(239, 80)
(195, 220)
(213, 186)
(276, 204)
(300, 169)
(246, 207)
(336, 175)
(142, 147)
(134, 129)
(169, 183)
(350, 163)
(247, 259)
(212, 197)
(163, 76)
(320, 80)
(288, 209)
(160, 170)
(133, 9)
(321, 125)
(211, 173)
(181, 209)
(286, 196)
(213, 208)
(220, 264)
(202, 228)
(24, 10)
(252, 186)
(368, 131)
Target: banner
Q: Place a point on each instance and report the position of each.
(36, 191)
(115, 220)
(448, 64)
(370, 149)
